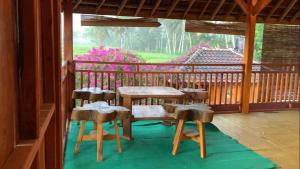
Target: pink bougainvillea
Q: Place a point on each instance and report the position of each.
(111, 74)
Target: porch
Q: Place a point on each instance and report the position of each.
(37, 80)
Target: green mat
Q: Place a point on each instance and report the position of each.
(151, 149)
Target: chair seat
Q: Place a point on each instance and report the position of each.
(99, 112)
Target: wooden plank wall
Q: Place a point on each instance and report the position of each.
(8, 79)
(31, 121)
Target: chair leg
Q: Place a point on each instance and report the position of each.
(117, 136)
(202, 144)
(178, 135)
(99, 141)
(176, 127)
(79, 138)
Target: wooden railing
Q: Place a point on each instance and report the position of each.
(275, 86)
(222, 81)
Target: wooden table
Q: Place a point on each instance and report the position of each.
(128, 94)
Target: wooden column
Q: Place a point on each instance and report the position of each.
(248, 60)
(251, 9)
(68, 51)
(68, 30)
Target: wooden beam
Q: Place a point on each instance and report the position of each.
(100, 4)
(189, 8)
(230, 10)
(204, 9)
(295, 16)
(120, 22)
(287, 10)
(243, 5)
(155, 7)
(139, 8)
(77, 4)
(248, 59)
(260, 5)
(217, 9)
(121, 7)
(274, 9)
(175, 2)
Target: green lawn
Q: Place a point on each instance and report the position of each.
(149, 57)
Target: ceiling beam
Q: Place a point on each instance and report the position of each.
(139, 8)
(189, 8)
(204, 9)
(217, 9)
(295, 16)
(77, 4)
(101, 2)
(155, 7)
(121, 7)
(230, 10)
(259, 6)
(243, 5)
(274, 9)
(287, 10)
(172, 7)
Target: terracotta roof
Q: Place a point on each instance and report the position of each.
(215, 56)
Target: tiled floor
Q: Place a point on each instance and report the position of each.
(274, 135)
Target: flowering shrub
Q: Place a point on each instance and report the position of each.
(110, 79)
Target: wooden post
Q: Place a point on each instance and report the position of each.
(68, 51)
(251, 9)
(248, 60)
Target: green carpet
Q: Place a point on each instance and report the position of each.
(151, 149)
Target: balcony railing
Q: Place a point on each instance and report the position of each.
(276, 84)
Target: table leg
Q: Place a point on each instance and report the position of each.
(127, 134)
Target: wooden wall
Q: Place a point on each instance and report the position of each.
(31, 122)
(8, 79)
(281, 44)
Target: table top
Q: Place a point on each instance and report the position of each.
(149, 91)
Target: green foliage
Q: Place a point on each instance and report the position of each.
(258, 41)
(155, 44)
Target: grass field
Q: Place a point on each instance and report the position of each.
(149, 57)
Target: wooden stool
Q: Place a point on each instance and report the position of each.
(99, 112)
(194, 95)
(93, 94)
(200, 113)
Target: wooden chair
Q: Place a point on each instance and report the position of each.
(199, 113)
(99, 112)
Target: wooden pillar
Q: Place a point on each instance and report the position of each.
(68, 30)
(248, 60)
(68, 51)
(251, 9)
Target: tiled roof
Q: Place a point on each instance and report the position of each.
(216, 56)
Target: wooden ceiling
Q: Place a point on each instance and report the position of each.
(277, 12)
